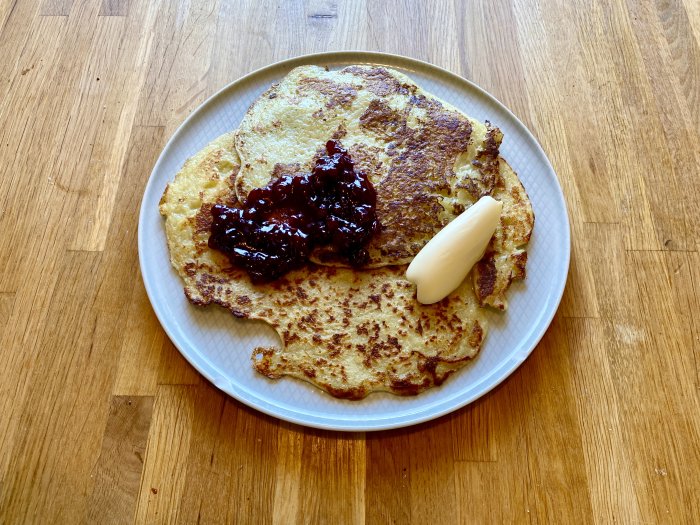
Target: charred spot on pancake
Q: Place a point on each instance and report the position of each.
(367, 159)
(519, 263)
(202, 220)
(476, 335)
(280, 169)
(240, 186)
(262, 361)
(339, 133)
(164, 198)
(458, 208)
(487, 161)
(406, 387)
(485, 276)
(336, 93)
(379, 81)
(386, 122)
(409, 198)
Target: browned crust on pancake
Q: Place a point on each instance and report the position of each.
(428, 161)
(409, 197)
(337, 94)
(381, 349)
(486, 162)
(384, 121)
(380, 81)
(412, 184)
(506, 258)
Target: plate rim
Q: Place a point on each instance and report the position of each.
(346, 425)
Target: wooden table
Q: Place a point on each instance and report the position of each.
(102, 420)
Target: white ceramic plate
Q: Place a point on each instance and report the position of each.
(219, 346)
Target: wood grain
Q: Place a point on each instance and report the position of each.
(102, 420)
(116, 477)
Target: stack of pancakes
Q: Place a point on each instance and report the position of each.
(354, 331)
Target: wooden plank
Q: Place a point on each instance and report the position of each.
(176, 76)
(639, 371)
(322, 25)
(389, 32)
(140, 355)
(114, 8)
(560, 50)
(39, 128)
(503, 78)
(602, 198)
(334, 464)
(679, 46)
(444, 52)
(580, 297)
(431, 471)
(119, 74)
(89, 110)
(228, 66)
(233, 450)
(48, 442)
(116, 477)
(6, 10)
(173, 369)
(388, 477)
(306, 27)
(612, 491)
(55, 7)
(251, 457)
(19, 351)
(165, 462)
(675, 93)
(205, 480)
(688, 287)
(7, 301)
(59, 430)
(99, 98)
(693, 13)
(55, 420)
(472, 433)
(555, 446)
(651, 153)
(500, 491)
(16, 20)
(31, 55)
(653, 385)
(290, 441)
(604, 245)
(486, 495)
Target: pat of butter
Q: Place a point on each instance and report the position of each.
(443, 263)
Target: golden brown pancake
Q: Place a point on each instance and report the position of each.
(351, 331)
(348, 332)
(427, 160)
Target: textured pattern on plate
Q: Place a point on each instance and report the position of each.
(218, 345)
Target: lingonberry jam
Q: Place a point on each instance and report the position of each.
(280, 224)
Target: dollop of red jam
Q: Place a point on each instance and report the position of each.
(279, 225)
